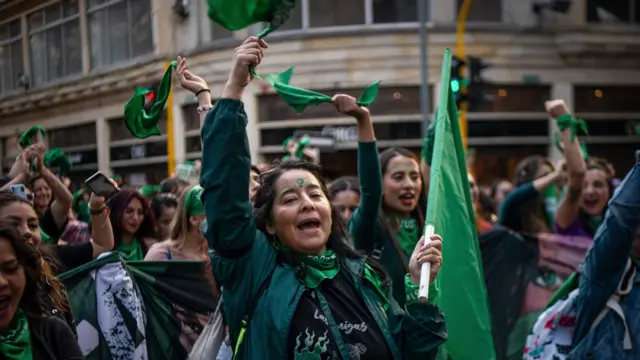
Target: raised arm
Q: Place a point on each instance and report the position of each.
(362, 225)
(569, 206)
(605, 262)
(61, 194)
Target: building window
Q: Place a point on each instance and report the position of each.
(119, 30)
(607, 11)
(484, 10)
(335, 12)
(392, 11)
(84, 134)
(54, 41)
(11, 61)
(513, 98)
(606, 99)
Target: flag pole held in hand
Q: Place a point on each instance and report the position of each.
(425, 270)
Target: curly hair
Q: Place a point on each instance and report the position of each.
(263, 206)
(30, 261)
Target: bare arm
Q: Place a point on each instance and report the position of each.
(101, 230)
(63, 198)
(569, 206)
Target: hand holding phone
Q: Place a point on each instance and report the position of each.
(101, 185)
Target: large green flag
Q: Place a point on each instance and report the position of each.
(463, 297)
(239, 14)
(129, 310)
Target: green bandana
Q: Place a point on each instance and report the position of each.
(237, 15)
(595, 222)
(80, 206)
(55, 158)
(567, 121)
(131, 252)
(150, 190)
(193, 201)
(25, 139)
(15, 343)
(299, 98)
(551, 202)
(140, 124)
(407, 235)
(319, 267)
(413, 291)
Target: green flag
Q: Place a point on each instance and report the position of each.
(239, 14)
(463, 297)
(128, 310)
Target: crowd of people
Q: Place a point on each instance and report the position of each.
(305, 269)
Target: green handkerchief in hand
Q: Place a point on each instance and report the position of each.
(140, 124)
(26, 139)
(299, 98)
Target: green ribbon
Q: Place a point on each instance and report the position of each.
(56, 158)
(319, 268)
(193, 201)
(567, 121)
(140, 124)
(149, 190)
(299, 98)
(132, 251)
(25, 139)
(15, 342)
(583, 146)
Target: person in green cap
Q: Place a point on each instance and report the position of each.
(303, 291)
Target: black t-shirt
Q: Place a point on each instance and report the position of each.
(72, 256)
(309, 332)
(52, 339)
(48, 225)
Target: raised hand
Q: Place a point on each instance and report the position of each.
(187, 79)
(250, 53)
(430, 253)
(346, 104)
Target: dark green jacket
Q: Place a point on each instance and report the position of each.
(244, 258)
(364, 235)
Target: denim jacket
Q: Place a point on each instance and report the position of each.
(600, 274)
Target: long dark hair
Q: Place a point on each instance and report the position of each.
(420, 210)
(265, 198)
(49, 264)
(163, 201)
(533, 215)
(118, 204)
(30, 261)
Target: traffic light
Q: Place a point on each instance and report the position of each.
(458, 80)
(150, 97)
(476, 95)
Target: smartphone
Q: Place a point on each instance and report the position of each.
(22, 191)
(100, 185)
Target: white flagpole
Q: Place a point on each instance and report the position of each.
(425, 270)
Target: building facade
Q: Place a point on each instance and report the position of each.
(70, 65)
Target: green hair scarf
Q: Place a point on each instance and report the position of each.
(193, 201)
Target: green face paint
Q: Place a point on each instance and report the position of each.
(300, 183)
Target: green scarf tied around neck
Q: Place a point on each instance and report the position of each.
(299, 98)
(193, 201)
(15, 342)
(55, 158)
(140, 123)
(319, 268)
(25, 139)
(132, 251)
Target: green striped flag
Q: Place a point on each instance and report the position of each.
(463, 297)
(128, 310)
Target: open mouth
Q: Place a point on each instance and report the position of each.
(590, 202)
(5, 301)
(407, 198)
(309, 225)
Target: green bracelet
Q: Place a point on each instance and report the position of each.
(567, 121)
